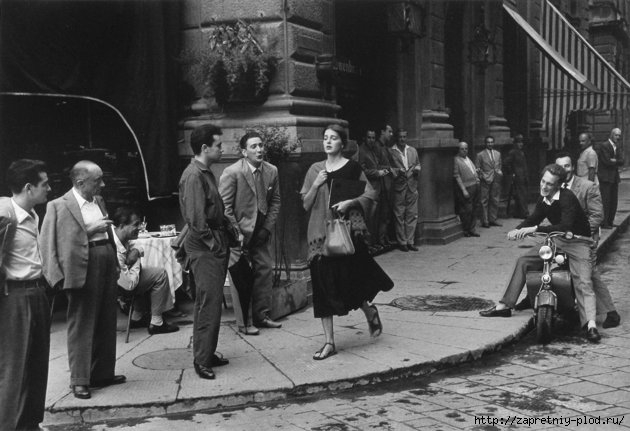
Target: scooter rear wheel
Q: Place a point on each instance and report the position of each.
(544, 322)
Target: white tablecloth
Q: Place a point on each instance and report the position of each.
(158, 253)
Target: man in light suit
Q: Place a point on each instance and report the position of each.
(610, 158)
(405, 167)
(466, 190)
(489, 165)
(79, 256)
(251, 195)
(24, 310)
(590, 200)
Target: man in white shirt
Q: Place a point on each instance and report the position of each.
(587, 162)
(24, 310)
(141, 279)
(79, 257)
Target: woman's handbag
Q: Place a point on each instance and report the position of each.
(338, 238)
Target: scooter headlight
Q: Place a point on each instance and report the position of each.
(545, 252)
(560, 259)
(546, 278)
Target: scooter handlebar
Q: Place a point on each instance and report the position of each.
(568, 236)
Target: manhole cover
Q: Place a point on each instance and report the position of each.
(441, 303)
(167, 359)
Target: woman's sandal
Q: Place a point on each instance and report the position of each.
(374, 323)
(320, 356)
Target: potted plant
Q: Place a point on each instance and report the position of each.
(278, 143)
(234, 67)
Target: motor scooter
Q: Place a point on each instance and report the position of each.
(551, 290)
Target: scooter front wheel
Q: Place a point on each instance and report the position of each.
(544, 322)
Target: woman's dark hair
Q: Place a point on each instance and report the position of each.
(24, 171)
(203, 135)
(246, 137)
(340, 131)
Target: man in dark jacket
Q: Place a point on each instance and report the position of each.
(610, 158)
(515, 165)
(563, 210)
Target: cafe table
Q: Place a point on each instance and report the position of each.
(158, 253)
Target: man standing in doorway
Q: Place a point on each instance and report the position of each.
(207, 245)
(466, 190)
(376, 166)
(79, 255)
(610, 158)
(251, 194)
(24, 311)
(489, 165)
(384, 143)
(588, 161)
(516, 165)
(406, 168)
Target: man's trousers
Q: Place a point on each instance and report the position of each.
(92, 320)
(405, 211)
(580, 265)
(490, 193)
(154, 281)
(208, 268)
(467, 207)
(260, 256)
(609, 193)
(25, 341)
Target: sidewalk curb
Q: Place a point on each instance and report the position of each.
(97, 414)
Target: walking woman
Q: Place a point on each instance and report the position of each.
(340, 283)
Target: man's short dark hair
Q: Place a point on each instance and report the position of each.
(122, 215)
(518, 138)
(563, 154)
(246, 137)
(557, 171)
(399, 131)
(203, 135)
(488, 137)
(22, 172)
(368, 130)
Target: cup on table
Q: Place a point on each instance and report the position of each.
(167, 230)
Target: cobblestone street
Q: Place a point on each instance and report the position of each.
(570, 380)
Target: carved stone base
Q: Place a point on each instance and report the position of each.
(441, 231)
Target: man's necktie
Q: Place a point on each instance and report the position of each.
(261, 193)
(491, 157)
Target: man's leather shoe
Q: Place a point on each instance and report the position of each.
(268, 323)
(164, 328)
(204, 372)
(218, 361)
(592, 335)
(116, 380)
(412, 247)
(248, 330)
(403, 247)
(612, 320)
(473, 233)
(81, 391)
(523, 305)
(486, 225)
(494, 223)
(493, 312)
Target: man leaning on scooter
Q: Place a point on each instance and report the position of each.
(563, 210)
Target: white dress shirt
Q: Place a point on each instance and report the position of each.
(23, 260)
(91, 213)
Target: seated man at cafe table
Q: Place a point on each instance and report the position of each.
(563, 210)
(141, 279)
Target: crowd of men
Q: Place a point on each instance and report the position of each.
(88, 256)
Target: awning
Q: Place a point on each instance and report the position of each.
(574, 76)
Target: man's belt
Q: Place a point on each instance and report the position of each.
(37, 282)
(98, 243)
